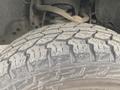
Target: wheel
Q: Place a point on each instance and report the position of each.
(65, 56)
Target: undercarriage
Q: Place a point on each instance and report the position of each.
(20, 16)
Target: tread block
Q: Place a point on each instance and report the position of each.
(67, 25)
(3, 68)
(58, 48)
(116, 38)
(2, 47)
(52, 31)
(116, 50)
(10, 52)
(59, 52)
(84, 34)
(85, 29)
(102, 50)
(85, 25)
(82, 50)
(54, 26)
(69, 29)
(37, 53)
(33, 36)
(17, 60)
(46, 39)
(14, 44)
(102, 36)
(66, 35)
(28, 44)
(6, 50)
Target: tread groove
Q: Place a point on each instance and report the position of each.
(91, 46)
(112, 51)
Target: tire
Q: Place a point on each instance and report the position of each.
(62, 56)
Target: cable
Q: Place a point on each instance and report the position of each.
(62, 13)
